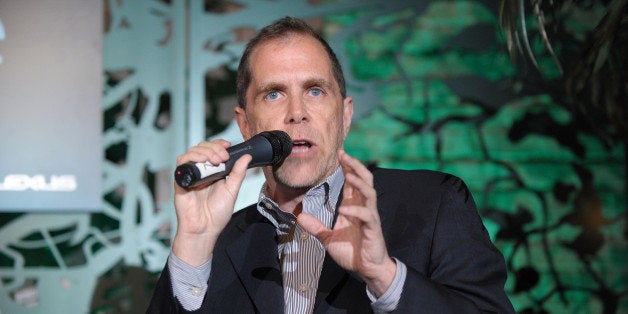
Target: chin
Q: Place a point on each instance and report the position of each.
(298, 176)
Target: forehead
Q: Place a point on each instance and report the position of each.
(293, 52)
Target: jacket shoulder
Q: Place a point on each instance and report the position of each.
(427, 181)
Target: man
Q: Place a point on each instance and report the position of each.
(327, 235)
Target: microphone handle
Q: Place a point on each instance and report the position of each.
(193, 174)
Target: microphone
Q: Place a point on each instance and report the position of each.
(267, 148)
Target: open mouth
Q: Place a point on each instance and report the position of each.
(300, 146)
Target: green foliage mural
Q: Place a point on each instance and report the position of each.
(434, 87)
(550, 189)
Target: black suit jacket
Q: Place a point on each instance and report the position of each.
(430, 223)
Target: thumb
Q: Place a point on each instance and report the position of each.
(237, 174)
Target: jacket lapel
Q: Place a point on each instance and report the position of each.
(331, 276)
(254, 258)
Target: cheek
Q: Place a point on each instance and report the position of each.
(334, 129)
(259, 122)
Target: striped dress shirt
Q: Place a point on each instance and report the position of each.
(300, 254)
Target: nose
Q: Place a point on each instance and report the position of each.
(297, 111)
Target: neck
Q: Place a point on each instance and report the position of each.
(289, 199)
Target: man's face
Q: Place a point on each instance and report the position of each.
(293, 89)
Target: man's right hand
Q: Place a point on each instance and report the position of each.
(204, 211)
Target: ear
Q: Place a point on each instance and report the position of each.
(347, 115)
(243, 123)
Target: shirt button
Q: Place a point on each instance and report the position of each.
(302, 287)
(268, 205)
(304, 236)
(196, 291)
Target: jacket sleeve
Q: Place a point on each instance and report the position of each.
(465, 273)
(163, 300)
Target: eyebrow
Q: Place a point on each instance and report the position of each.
(264, 88)
(318, 82)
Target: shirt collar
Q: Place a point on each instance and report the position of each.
(330, 189)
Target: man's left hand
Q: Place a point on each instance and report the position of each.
(356, 241)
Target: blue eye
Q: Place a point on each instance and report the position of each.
(274, 95)
(316, 92)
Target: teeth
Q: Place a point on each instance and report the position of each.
(300, 149)
(300, 146)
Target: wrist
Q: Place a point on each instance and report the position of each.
(383, 278)
(193, 249)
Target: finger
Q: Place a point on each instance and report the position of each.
(209, 152)
(360, 180)
(214, 152)
(314, 226)
(362, 214)
(357, 188)
(351, 195)
(219, 141)
(198, 156)
(364, 190)
(354, 166)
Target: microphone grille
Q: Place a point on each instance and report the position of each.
(281, 144)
